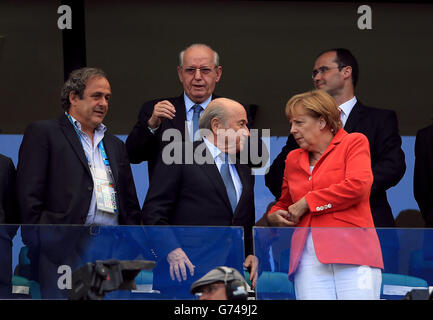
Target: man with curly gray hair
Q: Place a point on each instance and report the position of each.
(64, 163)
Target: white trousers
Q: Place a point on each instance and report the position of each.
(317, 281)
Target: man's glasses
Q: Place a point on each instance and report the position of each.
(324, 69)
(203, 70)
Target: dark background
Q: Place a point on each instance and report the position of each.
(267, 50)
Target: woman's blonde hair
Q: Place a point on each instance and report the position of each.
(317, 103)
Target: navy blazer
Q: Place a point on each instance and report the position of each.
(387, 158)
(142, 145)
(423, 173)
(195, 194)
(54, 183)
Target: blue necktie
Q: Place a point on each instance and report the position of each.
(197, 109)
(228, 181)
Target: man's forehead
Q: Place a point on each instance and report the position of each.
(98, 83)
(326, 59)
(198, 56)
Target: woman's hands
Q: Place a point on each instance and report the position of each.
(289, 218)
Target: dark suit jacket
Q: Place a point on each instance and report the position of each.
(387, 158)
(8, 214)
(8, 204)
(194, 194)
(423, 173)
(54, 183)
(142, 145)
(54, 186)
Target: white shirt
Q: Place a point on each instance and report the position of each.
(215, 152)
(94, 157)
(346, 108)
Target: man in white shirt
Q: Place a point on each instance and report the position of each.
(72, 171)
(336, 71)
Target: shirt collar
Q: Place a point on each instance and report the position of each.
(347, 106)
(215, 152)
(189, 103)
(101, 128)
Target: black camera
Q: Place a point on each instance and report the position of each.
(93, 280)
(418, 294)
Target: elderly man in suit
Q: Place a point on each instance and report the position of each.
(67, 169)
(199, 71)
(206, 186)
(336, 72)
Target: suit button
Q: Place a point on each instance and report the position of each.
(318, 209)
(90, 188)
(309, 178)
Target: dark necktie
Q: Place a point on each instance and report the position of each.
(197, 109)
(228, 181)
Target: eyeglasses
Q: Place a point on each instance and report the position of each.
(323, 69)
(203, 70)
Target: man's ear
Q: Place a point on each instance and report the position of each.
(347, 72)
(73, 97)
(215, 125)
(219, 72)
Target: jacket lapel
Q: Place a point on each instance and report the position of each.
(112, 159)
(244, 177)
(179, 120)
(74, 140)
(354, 117)
(210, 169)
(336, 140)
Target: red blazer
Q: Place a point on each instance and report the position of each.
(337, 193)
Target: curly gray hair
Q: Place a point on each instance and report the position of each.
(77, 82)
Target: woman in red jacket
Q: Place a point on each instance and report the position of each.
(326, 189)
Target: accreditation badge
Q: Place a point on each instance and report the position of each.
(104, 190)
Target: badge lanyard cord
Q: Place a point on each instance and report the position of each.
(100, 147)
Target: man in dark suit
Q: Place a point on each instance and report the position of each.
(423, 174)
(201, 189)
(60, 161)
(199, 72)
(336, 72)
(66, 168)
(423, 184)
(8, 214)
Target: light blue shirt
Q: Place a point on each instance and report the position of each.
(215, 152)
(190, 112)
(95, 160)
(346, 108)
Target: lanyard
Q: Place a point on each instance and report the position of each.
(100, 144)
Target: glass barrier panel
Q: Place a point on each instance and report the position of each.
(106, 262)
(308, 263)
